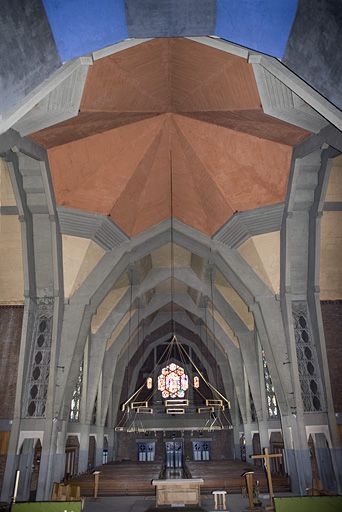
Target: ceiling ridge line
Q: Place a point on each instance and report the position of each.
(203, 165)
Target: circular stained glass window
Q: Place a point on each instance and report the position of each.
(173, 382)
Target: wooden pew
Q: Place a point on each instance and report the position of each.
(226, 475)
(117, 479)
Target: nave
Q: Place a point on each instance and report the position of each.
(170, 247)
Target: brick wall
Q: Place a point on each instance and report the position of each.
(332, 322)
(11, 318)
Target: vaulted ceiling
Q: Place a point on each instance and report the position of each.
(170, 107)
(169, 127)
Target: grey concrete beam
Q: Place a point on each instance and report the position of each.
(300, 88)
(98, 228)
(279, 101)
(58, 105)
(243, 225)
(41, 92)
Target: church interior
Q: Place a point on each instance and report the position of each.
(170, 252)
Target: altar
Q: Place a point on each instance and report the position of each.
(178, 491)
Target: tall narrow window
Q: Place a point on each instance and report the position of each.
(254, 416)
(272, 404)
(76, 397)
(38, 378)
(308, 366)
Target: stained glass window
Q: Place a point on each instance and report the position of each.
(173, 381)
(308, 365)
(76, 397)
(272, 405)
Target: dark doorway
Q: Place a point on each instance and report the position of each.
(256, 449)
(277, 446)
(35, 470)
(243, 448)
(91, 453)
(72, 448)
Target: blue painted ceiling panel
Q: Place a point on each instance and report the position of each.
(262, 25)
(167, 18)
(82, 26)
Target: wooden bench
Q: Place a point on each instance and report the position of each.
(121, 479)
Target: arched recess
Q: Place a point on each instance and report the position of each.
(72, 449)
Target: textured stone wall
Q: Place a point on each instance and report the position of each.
(332, 322)
(11, 318)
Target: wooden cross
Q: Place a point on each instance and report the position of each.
(266, 456)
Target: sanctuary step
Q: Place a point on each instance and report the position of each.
(226, 474)
(121, 479)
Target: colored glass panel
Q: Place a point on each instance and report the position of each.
(173, 382)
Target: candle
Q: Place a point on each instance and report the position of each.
(16, 485)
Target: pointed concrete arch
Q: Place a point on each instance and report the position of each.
(228, 261)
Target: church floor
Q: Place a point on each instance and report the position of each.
(235, 503)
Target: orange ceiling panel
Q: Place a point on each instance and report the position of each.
(170, 75)
(125, 173)
(170, 103)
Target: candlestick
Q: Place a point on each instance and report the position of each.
(17, 475)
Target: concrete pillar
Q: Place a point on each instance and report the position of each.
(325, 463)
(297, 453)
(59, 464)
(12, 462)
(236, 438)
(248, 437)
(110, 432)
(99, 446)
(115, 446)
(263, 432)
(84, 448)
(48, 460)
(25, 468)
